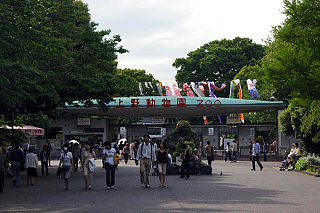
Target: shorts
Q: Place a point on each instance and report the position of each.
(162, 168)
(65, 174)
(32, 172)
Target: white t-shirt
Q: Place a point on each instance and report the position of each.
(109, 155)
(66, 158)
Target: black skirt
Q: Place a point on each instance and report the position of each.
(32, 172)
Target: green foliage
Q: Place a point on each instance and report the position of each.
(218, 61)
(6, 139)
(301, 164)
(292, 60)
(310, 128)
(183, 129)
(190, 145)
(51, 53)
(285, 122)
(231, 136)
(130, 78)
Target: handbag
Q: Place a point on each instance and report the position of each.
(116, 159)
(59, 171)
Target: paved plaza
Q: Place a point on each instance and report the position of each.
(237, 190)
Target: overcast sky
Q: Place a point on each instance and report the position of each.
(156, 32)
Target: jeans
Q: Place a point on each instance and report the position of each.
(234, 156)
(16, 173)
(44, 164)
(75, 162)
(185, 169)
(209, 158)
(145, 167)
(1, 181)
(265, 156)
(88, 175)
(126, 157)
(228, 154)
(110, 171)
(256, 158)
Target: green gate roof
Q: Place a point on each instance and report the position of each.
(165, 106)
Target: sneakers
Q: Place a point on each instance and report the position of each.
(108, 187)
(261, 168)
(147, 186)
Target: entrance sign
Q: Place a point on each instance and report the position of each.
(170, 106)
(163, 132)
(123, 131)
(233, 120)
(210, 131)
(83, 121)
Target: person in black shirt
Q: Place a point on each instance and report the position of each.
(44, 157)
(162, 160)
(185, 155)
(17, 161)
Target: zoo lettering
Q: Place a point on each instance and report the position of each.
(166, 103)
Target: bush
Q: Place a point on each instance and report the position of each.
(191, 147)
(302, 164)
(314, 161)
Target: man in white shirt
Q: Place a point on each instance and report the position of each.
(146, 154)
(256, 155)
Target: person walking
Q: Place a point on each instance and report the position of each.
(88, 157)
(66, 162)
(108, 155)
(3, 168)
(32, 166)
(265, 151)
(44, 158)
(126, 152)
(234, 150)
(185, 156)
(147, 156)
(16, 159)
(162, 160)
(228, 152)
(75, 155)
(131, 147)
(256, 155)
(209, 152)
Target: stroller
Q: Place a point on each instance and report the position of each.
(155, 170)
(285, 165)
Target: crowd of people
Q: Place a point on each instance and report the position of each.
(148, 154)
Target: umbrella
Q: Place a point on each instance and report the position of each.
(74, 141)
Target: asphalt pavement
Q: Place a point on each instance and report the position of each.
(238, 189)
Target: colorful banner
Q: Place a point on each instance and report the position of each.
(168, 91)
(150, 84)
(231, 95)
(176, 90)
(196, 89)
(141, 89)
(252, 88)
(159, 89)
(188, 90)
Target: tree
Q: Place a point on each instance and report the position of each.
(264, 89)
(292, 67)
(183, 129)
(51, 54)
(292, 61)
(137, 76)
(218, 61)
